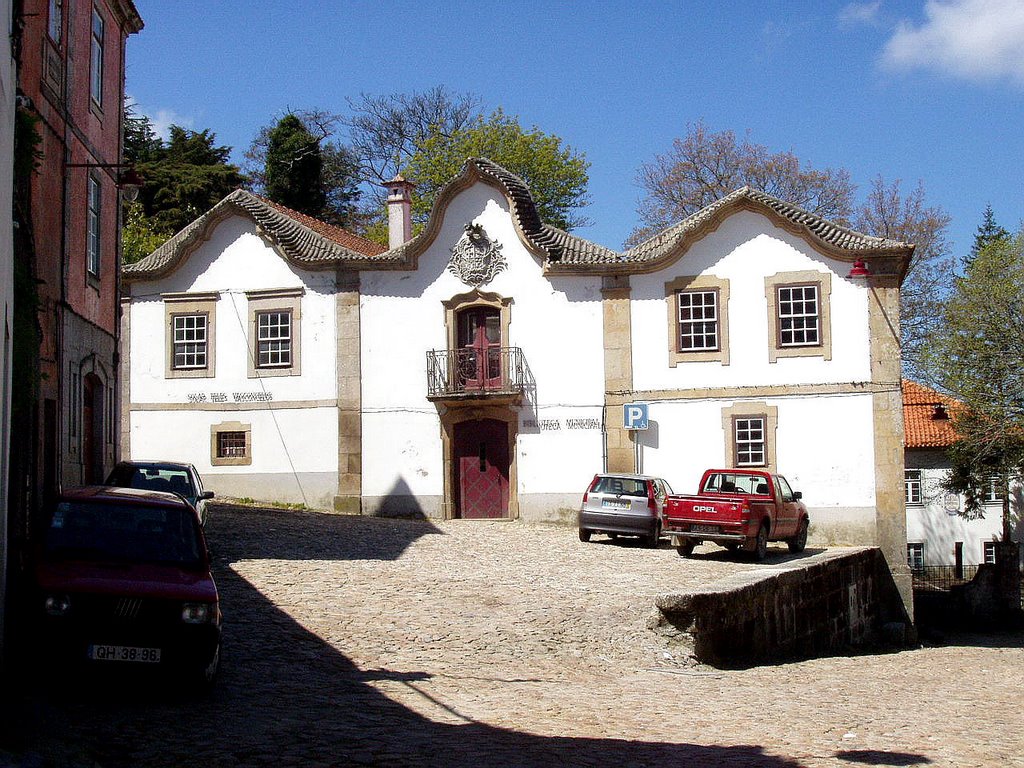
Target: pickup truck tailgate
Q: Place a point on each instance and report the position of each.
(704, 509)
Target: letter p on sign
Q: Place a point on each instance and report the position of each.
(634, 415)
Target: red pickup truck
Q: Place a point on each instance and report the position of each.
(738, 507)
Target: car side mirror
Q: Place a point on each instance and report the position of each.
(206, 495)
(797, 495)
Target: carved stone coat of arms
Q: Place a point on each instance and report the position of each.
(476, 259)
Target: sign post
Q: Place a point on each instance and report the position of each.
(635, 418)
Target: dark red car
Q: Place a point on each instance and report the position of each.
(124, 583)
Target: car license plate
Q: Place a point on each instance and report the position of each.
(704, 528)
(614, 504)
(124, 653)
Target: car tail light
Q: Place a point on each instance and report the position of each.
(652, 503)
(586, 493)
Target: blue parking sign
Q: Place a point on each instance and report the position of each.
(634, 415)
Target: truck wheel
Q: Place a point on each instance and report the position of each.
(685, 548)
(584, 534)
(761, 543)
(798, 542)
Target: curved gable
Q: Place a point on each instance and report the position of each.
(300, 239)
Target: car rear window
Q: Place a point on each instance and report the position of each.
(736, 482)
(97, 531)
(154, 479)
(621, 486)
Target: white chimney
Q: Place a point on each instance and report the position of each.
(399, 211)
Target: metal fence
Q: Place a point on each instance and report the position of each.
(477, 372)
(941, 578)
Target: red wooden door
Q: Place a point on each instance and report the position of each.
(480, 348)
(481, 467)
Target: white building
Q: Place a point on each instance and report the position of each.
(937, 531)
(480, 369)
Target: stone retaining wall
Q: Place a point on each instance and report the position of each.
(827, 603)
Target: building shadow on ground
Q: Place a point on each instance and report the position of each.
(286, 697)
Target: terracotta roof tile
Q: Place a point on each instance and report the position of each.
(337, 234)
(921, 428)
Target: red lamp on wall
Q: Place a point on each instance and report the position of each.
(859, 270)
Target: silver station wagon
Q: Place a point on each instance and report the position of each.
(627, 505)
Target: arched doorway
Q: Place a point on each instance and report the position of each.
(480, 454)
(92, 429)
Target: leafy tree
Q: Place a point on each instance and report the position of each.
(975, 355)
(294, 170)
(138, 237)
(704, 166)
(556, 175)
(281, 160)
(889, 212)
(987, 232)
(184, 177)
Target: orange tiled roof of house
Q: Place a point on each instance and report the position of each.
(921, 427)
(331, 232)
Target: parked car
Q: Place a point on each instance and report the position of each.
(173, 476)
(123, 579)
(622, 504)
(738, 508)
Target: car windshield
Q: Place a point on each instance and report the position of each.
(172, 479)
(621, 486)
(130, 533)
(736, 482)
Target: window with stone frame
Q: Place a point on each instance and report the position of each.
(191, 320)
(750, 430)
(230, 444)
(698, 328)
(274, 339)
(274, 325)
(988, 552)
(912, 486)
(799, 321)
(992, 491)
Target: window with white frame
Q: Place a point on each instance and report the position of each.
(190, 341)
(915, 554)
(988, 553)
(749, 441)
(698, 321)
(749, 429)
(992, 491)
(273, 339)
(190, 337)
(912, 486)
(94, 217)
(274, 324)
(799, 322)
(96, 59)
(55, 28)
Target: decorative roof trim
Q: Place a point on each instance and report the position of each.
(295, 241)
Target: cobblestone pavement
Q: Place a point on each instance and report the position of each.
(362, 641)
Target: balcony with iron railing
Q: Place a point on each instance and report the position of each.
(495, 374)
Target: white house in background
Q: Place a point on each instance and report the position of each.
(481, 368)
(937, 534)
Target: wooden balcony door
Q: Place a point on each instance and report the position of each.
(482, 468)
(479, 340)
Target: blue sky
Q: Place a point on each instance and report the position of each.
(929, 90)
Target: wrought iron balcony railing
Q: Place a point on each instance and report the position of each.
(477, 372)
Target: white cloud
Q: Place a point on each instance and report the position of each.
(858, 14)
(163, 119)
(970, 39)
